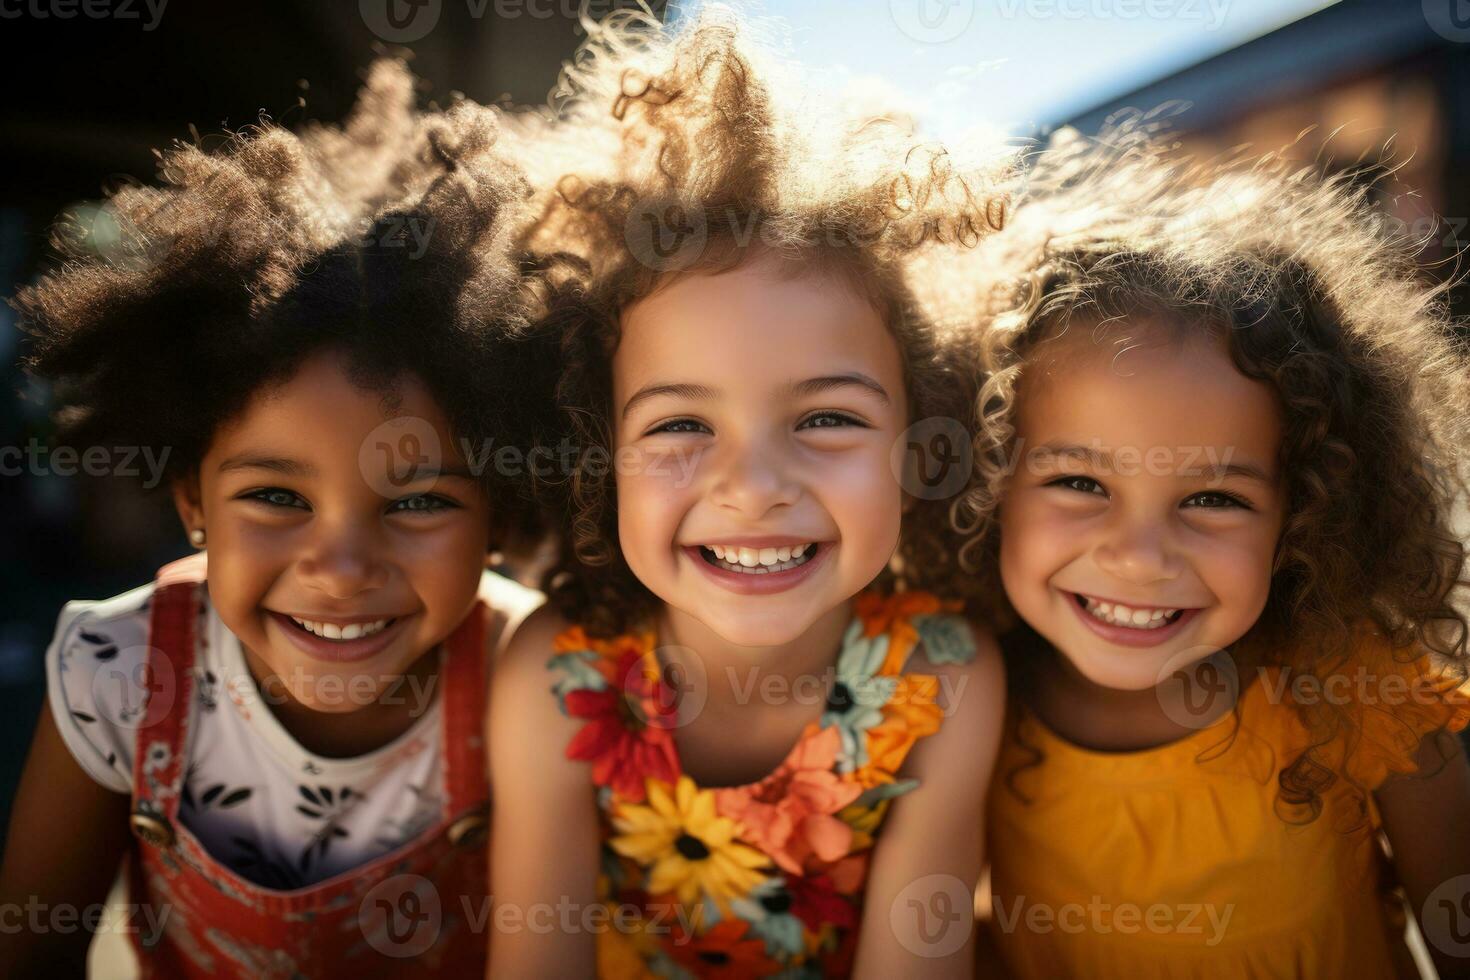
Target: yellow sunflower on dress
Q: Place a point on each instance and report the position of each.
(690, 849)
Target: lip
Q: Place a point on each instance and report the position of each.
(769, 583)
(339, 651)
(1126, 635)
(759, 541)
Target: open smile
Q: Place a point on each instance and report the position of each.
(759, 567)
(340, 640)
(1130, 625)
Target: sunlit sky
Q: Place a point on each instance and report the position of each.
(1018, 65)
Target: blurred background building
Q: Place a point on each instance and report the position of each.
(92, 88)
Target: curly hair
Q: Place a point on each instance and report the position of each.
(389, 239)
(1312, 295)
(703, 130)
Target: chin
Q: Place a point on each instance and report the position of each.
(762, 630)
(1122, 670)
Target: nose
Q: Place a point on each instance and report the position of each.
(753, 479)
(1138, 549)
(342, 562)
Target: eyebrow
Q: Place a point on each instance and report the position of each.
(287, 466)
(260, 461)
(1102, 459)
(811, 386)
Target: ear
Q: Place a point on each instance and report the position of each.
(185, 492)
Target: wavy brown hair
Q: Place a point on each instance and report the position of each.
(1313, 296)
(700, 132)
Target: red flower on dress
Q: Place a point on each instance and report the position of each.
(629, 732)
(815, 901)
(722, 953)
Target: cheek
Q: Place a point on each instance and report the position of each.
(650, 502)
(863, 498)
(1238, 571)
(1035, 541)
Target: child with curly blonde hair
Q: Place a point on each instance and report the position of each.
(754, 736)
(320, 334)
(1221, 437)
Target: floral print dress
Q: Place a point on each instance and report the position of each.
(764, 879)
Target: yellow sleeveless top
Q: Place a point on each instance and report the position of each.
(1177, 861)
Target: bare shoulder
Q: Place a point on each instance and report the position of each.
(979, 679)
(522, 698)
(972, 693)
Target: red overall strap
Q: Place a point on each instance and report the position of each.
(158, 757)
(464, 715)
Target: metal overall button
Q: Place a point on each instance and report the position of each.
(469, 830)
(151, 828)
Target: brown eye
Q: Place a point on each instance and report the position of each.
(679, 427)
(829, 420)
(1216, 500)
(1082, 484)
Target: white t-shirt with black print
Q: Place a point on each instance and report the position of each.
(261, 804)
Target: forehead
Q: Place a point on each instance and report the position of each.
(752, 323)
(323, 407)
(1141, 383)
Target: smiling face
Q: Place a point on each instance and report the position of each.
(1140, 526)
(753, 417)
(331, 586)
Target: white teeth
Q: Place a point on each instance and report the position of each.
(1117, 614)
(759, 561)
(335, 631)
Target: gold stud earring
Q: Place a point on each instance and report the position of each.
(196, 537)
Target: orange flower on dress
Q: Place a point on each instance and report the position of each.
(910, 714)
(722, 953)
(893, 614)
(790, 814)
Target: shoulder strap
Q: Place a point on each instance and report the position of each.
(463, 680)
(168, 684)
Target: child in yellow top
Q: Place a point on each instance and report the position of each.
(1216, 470)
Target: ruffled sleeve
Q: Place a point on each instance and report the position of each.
(94, 668)
(1399, 699)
